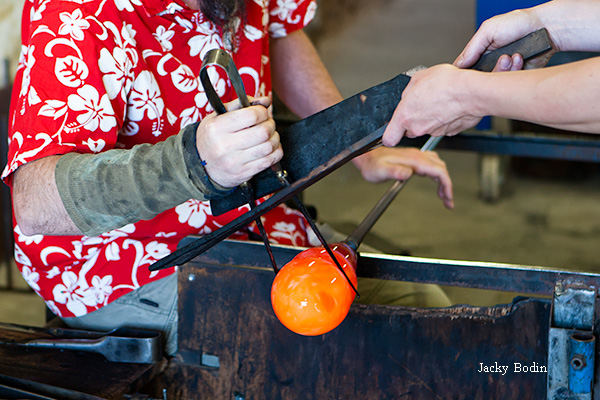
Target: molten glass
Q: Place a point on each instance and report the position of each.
(310, 295)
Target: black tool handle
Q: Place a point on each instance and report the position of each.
(533, 45)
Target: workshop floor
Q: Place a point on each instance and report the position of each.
(552, 222)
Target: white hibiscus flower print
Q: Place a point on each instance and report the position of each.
(96, 111)
(193, 212)
(130, 128)
(73, 24)
(311, 10)
(252, 33)
(173, 8)
(166, 234)
(128, 34)
(22, 238)
(207, 39)
(277, 30)
(123, 231)
(186, 23)
(184, 79)
(70, 293)
(193, 114)
(21, 257)
(285, 10)
(146, 100)
(32, 277)
(164, 36)
(71, 71)
(263, 4)
(95, 145)
(116, 71)
(27, 60)
(54, 271)
(53, 109)
(124, 5)
(287, 231)
(38, 11)
(113, 252)
(156, 250)
(101, 288)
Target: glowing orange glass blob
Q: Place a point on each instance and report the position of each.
(310, 295)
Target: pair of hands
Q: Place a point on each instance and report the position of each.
(439, 101)
(243, 142)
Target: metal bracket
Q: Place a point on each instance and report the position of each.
(571, 342)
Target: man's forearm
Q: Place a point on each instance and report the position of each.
(299, 77)
(37, 205)
(96, 193)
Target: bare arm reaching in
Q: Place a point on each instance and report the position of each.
(447, 99)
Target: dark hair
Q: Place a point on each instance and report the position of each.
(223, 12)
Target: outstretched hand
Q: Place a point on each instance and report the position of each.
(385, 163)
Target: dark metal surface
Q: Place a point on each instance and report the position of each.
(66, 373)
(123, 345)
(313, 141)
(571, 342)
(378, 352)
(14, 388)
(202, 244)
(572, 148)
(481, 275)
(219, 57)
(533, 280)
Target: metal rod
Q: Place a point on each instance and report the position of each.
(261, 229)
(357, 236)
(324, 243)
(219, 57)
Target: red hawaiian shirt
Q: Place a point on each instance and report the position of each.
(101, 74)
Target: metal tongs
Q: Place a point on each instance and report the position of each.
(122, 345)
(220, 58)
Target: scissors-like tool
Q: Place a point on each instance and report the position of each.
(222, 59)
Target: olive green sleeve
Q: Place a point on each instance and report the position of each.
(109, 190)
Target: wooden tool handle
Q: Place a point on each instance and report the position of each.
(530, 46)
